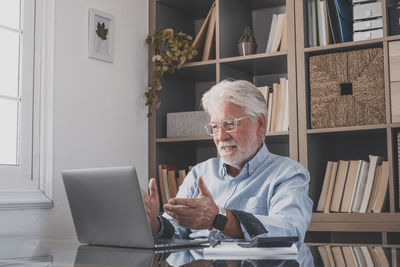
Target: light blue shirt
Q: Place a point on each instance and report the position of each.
(272, 188)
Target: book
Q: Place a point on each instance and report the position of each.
(374, 189)
(361, 260)
(280, 109)
(284, 38)
(278, 32)
(362, 177)
(161, 185)
(310, 23)
(275, 101)
(354, 169)
(172, 183)
(344, 11)
(270, 96)
(323, 40)
(339, 186)
(330, 187)
(181, 175)
(271, 32)
(382, 188)
(382, 259)
(326, 256)
(373, 162)
(209, 39)
(398, 165)
(338, 256)
(198, 42)
(325, 185)
(373, 255)
(285, 124)
(164, 177)
(349, 257)
(328, 28)
(367, 256)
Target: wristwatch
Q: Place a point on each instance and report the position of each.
(220, 220)
(218, 226)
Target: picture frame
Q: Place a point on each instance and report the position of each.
(101, 35)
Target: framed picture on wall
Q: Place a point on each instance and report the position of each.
(101, 35)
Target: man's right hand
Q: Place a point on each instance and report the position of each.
(151, 201)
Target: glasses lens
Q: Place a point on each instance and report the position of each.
(209, 129)
(228, 125)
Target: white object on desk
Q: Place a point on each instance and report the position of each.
(231, 250)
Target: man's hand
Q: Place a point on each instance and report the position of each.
(194, 213)
(151, 201)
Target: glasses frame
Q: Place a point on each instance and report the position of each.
(219, 125)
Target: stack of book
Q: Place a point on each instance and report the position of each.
(277, 100)
(277, 38)
(169, 181)
(353, 256)
(329, 22)
(354, 186)
(204, 42)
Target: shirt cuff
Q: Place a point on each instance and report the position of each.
(161, 231)
(167, 230)
(250, 223)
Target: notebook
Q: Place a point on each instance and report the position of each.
(108, 209)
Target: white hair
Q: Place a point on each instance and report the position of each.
(238, 92)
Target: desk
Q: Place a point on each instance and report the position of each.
(41, 252)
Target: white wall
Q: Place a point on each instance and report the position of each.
(99, 113)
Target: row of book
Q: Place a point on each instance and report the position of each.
(204, 42)
(170, 178)
(277, 38)
(277, 100)
(353, 256)
(329, 22)
(354, 186)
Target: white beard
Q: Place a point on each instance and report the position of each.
(241, 155)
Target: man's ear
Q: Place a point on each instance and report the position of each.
(261, 125)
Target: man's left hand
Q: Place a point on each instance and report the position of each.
(194, 213)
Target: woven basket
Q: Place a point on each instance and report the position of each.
(347, 88)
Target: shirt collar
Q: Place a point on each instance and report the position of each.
(251, 165)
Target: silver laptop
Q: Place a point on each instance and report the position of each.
(107, 209)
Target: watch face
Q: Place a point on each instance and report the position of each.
(220, 222)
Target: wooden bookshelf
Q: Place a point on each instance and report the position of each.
(311, 147)
(317, 146)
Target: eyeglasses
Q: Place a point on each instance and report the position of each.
(229, 125)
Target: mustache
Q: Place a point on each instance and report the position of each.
(227, 143)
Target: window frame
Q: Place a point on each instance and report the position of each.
(35, 190)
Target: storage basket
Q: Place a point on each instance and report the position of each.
(347, 88)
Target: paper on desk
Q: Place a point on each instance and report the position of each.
(231, 250)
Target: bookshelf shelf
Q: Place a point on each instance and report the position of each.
(184, 139)
(342, 46)
(355, 222)
(199, 63)
(255, 56)
(392, 38)
(348, 129)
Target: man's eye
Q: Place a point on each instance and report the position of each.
(229, 124)
(214, 126)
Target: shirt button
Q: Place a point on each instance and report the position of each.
(233, 183)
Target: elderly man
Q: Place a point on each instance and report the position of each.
(248, 191)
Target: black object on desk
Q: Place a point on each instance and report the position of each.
(261, 242)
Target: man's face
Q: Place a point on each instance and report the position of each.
(237, 147)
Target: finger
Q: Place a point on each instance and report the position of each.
(202, 187)
(153, 188)
(189, 202)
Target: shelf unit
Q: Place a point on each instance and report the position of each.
(183, 91)
(317, 146)
(311, 147)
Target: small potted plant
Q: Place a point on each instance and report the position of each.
(247, 43)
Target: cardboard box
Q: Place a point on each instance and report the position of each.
(181, 124)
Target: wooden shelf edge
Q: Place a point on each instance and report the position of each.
(255, 56)
(342, 45)
(348, 129)
(199, 63)
(355, 222)
(183, 139)
(284, 133)
(392, 38)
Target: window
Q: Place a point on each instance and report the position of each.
(25, 166)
